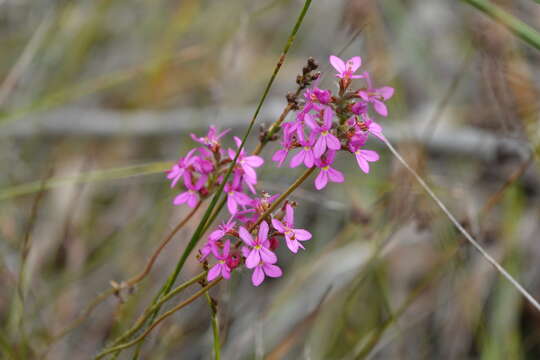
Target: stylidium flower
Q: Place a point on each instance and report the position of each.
(258, 248)
(247, 163)
(179, 169)
(326, 139)
(346, 69)
(222, 230)
(211, 139)
(366, 125)
(221, 268)
(191, 196)
(305, 155)
(376, 96)
(327, 173)
(235, 197)
(292, 236)
(262, 270)
(364, 157)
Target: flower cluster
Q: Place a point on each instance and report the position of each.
(326, 124)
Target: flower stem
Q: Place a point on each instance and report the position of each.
(158, 321)
(142, 319)
(215, 326)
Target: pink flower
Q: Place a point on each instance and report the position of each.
(292, 236)
(211, 139)
(179, 169)
(221, 268)
(347, 69)
(235, 197)
(258, 248)
(191, 196)
(305, 155)
(364, 157)
(327, 173)
(222, 230)
(366, 125)
(376, 96)
(281, 155)
(247, 163)
(265, 269)
(326, 139)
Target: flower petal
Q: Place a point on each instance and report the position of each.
(181, 198)
(254, 160)
(337, 63)
(298, 159)
(253, 259)
(214, 272)
(333, 142)
(369, 155)
(302, 234)
(245, 236)
(292, 244)
(231, 204)
(386, 92)
(267, 256)
(309, 159)
(263, 232)
(258, 276)
(289, 215)
(380, 107)
(354, 63)
(278, 225)
(362, 163)
(272, 271)
(321, 180)
(320, 146)
(335, 175)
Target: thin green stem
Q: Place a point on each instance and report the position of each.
(215, 326)
(512, 23)
(158, 321)
(142, 319)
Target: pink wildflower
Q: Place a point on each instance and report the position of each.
(376, 96)
(326, 139)
(264, 269)
(292, 236)
(211, 139)
(305, 155)
(221, 268)
(191, 196)
(258, 248)
(235, 197)
(179, 169)
(327, 173)
(364, 157)
(346, 69)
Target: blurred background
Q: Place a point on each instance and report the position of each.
(97, 99)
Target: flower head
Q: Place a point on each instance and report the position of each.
(376, 96)
(221, 268)
(346, 69)
(258, 248)
(327, 173)
(211, 140)
(292, 236)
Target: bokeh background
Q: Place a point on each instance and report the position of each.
(97, 98)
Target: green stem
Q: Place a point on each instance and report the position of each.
(215, 327)
(158, 321)
(512, 23)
